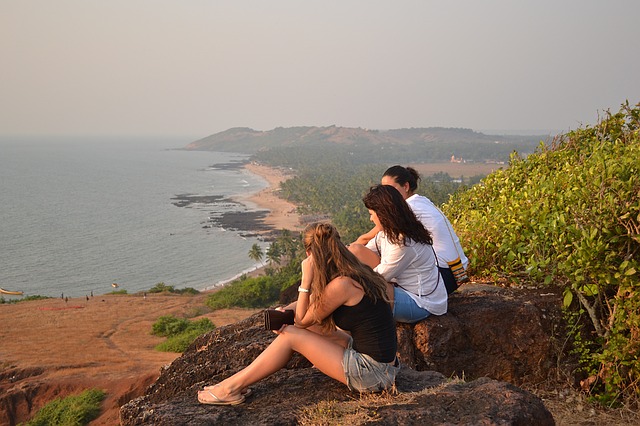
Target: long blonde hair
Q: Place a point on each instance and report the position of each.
(332, 259)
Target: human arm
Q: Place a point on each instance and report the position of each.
(365, 238)
(396, 259)
(336, 293)
(304, 292)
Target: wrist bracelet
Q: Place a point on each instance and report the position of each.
(303, 290)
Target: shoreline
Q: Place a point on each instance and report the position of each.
(282, 214)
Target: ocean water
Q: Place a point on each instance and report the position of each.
(79, 215)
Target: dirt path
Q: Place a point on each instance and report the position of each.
(52, 348)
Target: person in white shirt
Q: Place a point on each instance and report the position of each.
(403, 254)
(446, 243)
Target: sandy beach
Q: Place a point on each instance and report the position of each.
(282, 214)
(51, 348)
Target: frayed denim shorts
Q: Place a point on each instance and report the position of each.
(365, 374)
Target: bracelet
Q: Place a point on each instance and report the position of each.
(303, 290)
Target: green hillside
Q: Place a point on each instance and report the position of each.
(569, 216)
(434, 144)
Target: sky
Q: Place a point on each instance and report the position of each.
(197, 67)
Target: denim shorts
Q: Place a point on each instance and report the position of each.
(405, 309)
(365, 374)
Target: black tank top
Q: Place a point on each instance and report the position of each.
(372, 327)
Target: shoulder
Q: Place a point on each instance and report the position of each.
(341, 283)
(342, 287)
(419, 200)
(422, 205)
(344, 291)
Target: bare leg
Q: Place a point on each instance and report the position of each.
(364, 255)
(321, 351)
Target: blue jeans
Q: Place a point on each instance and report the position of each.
(405, 308)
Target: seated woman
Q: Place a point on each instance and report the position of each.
(336, 290)
(445, 240)
(402, 253)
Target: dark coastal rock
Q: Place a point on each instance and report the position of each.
(502, 334)
(506, 334)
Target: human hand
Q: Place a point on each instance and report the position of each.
(307, 265)
(281, 330)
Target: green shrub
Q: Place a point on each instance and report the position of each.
(180, 332)
(73, 410)
(164, 288)
(569, 215)
(169, 325)
(23, 299)
(255, 292)
(180, 342)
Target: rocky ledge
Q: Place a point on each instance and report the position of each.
(460, 368)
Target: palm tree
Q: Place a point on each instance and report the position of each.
(256, 253)
(274, 252)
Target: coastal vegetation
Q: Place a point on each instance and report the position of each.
(180, 332)
(22, 299)
(165, 288)
(569, 215)
(74, 410)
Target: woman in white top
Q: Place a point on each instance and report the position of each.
(445, 241)
(402, 253)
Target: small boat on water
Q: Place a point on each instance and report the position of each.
(12, 293)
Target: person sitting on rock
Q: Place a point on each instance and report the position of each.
(403, 254)
(445, 240)
(337, 292)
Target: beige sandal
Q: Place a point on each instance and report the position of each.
(218, 401)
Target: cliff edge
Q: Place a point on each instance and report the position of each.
(460, 368)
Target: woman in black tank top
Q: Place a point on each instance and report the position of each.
(335, 290)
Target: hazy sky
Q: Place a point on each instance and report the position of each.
(197, 67)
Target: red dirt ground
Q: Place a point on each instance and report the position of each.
(103, 342)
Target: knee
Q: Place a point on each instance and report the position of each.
(364, 255)
(356, 248)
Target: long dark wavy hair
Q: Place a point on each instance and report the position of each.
(402, 175)
(398, 221)
(332, 259)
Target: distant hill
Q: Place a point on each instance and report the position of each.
(430, 144)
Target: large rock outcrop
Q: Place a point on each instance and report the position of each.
(493, 338)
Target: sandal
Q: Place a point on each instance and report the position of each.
(218, 401)
(244, 392)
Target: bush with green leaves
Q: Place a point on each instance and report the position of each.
(569, 215)
(74, 410)
(164, 288)
(180, 332)
(23, 299)
(258, 292)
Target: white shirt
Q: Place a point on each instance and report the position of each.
(445, 241)
(413, 268)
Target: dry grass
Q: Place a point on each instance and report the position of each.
(572, 408)
(568, 408)
(359, 411)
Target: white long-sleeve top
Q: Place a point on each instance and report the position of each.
(413, 268)
(445, 240)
